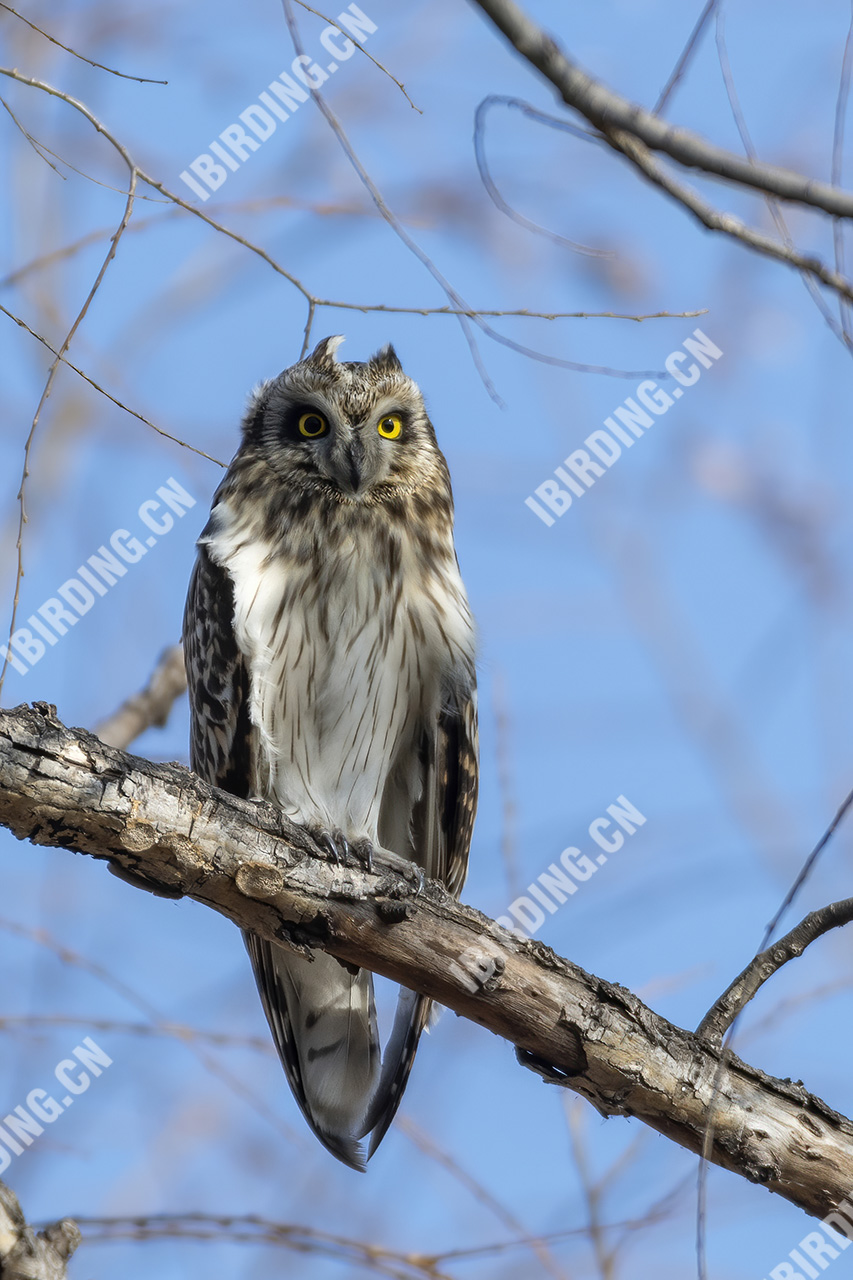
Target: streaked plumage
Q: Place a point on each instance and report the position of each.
(330, 662)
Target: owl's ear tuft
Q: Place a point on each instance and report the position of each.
(385, 361)
(254, 416)
(325, 351)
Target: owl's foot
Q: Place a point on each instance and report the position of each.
(345, 854)
(363, 851)
(337, 844)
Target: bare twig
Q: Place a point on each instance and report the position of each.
(488, 182)
(233, 1082)
(724, 1011)
(102, 390)
(837, 167)
(361, 47)
(66, 342)
(250, 1228)
(425, 1143)
(726, 223)
(773, 205)
(177, 1030)
(604, 1256)
(686, 54)
(81, 56)
(461, 310)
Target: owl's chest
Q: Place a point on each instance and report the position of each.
(315, 625)
(346, 656)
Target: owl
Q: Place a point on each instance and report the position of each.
(330, 661)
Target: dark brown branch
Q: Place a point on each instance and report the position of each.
(169, 831)
(608, 111)
(722, 1014)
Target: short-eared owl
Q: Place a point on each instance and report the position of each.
(330, 659)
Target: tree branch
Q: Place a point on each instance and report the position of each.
(722, 1014)
(172, 833)
(607, 110)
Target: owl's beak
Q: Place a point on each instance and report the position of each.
(349, 466)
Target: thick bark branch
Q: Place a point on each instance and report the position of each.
(178, 836)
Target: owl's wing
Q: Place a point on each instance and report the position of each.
(457, 782)
(440, 826)
(320, 1013)
(222, 740)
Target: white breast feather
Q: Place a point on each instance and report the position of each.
(334, 715)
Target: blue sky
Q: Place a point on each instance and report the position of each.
(681, 636)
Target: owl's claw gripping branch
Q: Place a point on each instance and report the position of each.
(363, 851)
(337, 844)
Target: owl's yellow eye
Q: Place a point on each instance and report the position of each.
(390, 426)
(312, 425)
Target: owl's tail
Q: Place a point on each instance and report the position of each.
(323, 1020)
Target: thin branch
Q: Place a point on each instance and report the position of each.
(539, 1247)
(686, 54)
(251, 1228)
(66, 342)
(807, 866)
(773, 205)
(175, 1030)
(352, 39)
(726, 223)
(711, 1017)
(837, 166)
(74, 53)
(723, 1012)
(491, 187)
(34, 143)
(119, 403)
(414, 248)
(160, 1024)
(604, 1256)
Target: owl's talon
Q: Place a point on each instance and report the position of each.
(337, 844)
(420, 880)
(363, 851)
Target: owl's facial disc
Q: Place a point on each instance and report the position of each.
(350, 428)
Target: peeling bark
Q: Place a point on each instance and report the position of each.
(168, 831)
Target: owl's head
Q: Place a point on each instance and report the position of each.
(355, 431)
